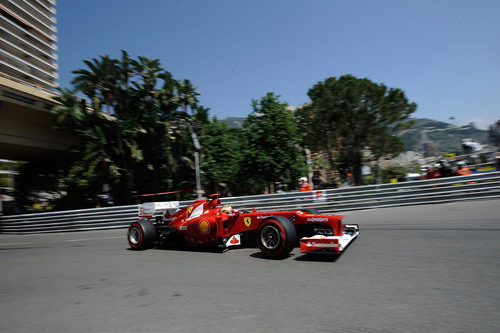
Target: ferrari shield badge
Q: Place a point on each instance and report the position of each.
(248, 221)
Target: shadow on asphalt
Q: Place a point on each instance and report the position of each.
(259, 255)
(182, 248)
(323, 257)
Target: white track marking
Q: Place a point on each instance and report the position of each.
(66, 240)
(88, 239)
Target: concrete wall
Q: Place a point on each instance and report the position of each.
(26, 123)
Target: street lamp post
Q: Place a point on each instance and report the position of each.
(197, 148)
(197, 166)
(309, 166)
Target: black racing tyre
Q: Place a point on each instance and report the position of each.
(276, 237)
(141, 235)
(313, 211)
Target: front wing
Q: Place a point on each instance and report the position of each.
(336, 244)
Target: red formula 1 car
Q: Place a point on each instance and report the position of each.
(206, 223)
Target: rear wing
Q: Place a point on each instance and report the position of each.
(148, 209)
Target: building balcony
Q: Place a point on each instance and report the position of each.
(32, 58)
(23, 12)
(13, 28)
(23, 71)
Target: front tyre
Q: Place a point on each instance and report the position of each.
(276, 237)
(141, 235)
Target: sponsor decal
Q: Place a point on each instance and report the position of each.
(317, 219)
(314, 244)
(320, 196)
(261, 217)
(248, 221)
(204, 226)
(190, 209)
(183, 227)
(166, 205)
(234, 240)
(196, 212)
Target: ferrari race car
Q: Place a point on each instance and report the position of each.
(207, 223)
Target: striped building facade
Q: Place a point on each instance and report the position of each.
(28, 42)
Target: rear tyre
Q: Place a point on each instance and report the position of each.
(141, 235)
(276, 237)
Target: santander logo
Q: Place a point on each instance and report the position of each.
(314, 244)
(234, 240)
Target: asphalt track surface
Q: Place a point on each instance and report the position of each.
(428, 268)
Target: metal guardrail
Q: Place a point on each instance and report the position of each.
(477, 186)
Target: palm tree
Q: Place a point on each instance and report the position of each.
(70, 108)
(94, 155)
(187, 95)
(148, 69)
(100, 81)
(145, 144)
(103, 82)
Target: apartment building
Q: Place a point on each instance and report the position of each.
(28, 42)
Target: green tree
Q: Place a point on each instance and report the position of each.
(494, 133)
(221, 157)
(397, 172)
(93, 162)
(349, 116)
(134, 132)
(272, 151)
(187, 95)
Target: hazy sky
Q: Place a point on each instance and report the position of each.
(444, 54)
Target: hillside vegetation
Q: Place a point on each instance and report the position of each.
(445, 137)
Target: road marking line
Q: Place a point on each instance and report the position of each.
(16, 244)
(87, 239)
(65, 240)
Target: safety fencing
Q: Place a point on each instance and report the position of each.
(477, 186)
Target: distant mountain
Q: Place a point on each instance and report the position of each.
(444, 137)
(234, 122)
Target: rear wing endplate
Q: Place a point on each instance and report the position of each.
(148, 209)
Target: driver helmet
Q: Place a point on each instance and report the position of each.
(303, 180)
(226, 209)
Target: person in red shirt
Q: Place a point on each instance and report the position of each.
(304, 185)
(433, 172)
(462, 169)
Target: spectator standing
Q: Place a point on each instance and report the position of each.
(304, 185)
